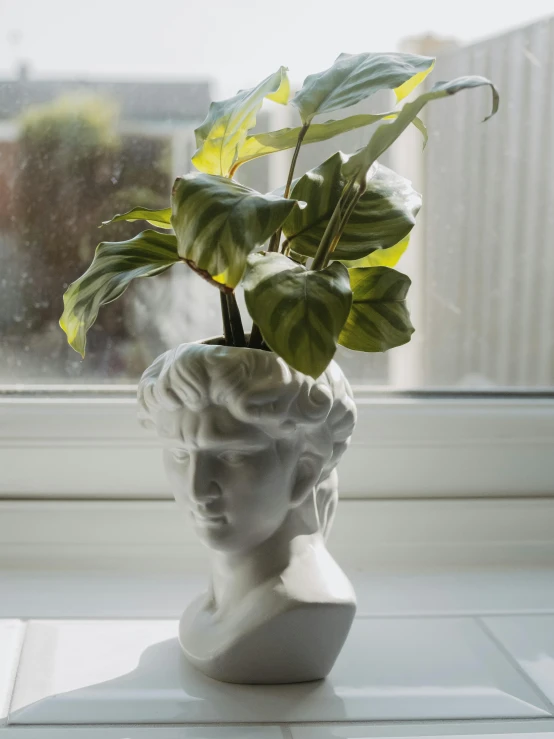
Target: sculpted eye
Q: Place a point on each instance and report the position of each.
(180, 455)
(235, 459)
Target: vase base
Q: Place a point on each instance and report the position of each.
(298, 645)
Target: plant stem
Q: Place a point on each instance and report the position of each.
(276, 238)
(350, 208)
(274, 241)
(327, 239)
(303, 132)
(235, 320)
(256, 338)
(227, 330)
(337, 223)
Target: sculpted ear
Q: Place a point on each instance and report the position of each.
(308, 471)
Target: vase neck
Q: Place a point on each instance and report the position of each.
(236, 575)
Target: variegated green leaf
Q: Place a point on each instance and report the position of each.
(114, 266)
(385, 135)
(384, 215)
(382, 257)
(224, 131)
(218, 222)
(160, 218)
(300, 312)
(378, 319)
(355, 77)
(261, 144)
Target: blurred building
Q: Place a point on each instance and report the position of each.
(155, 106)
(167, 110)
(53, 197)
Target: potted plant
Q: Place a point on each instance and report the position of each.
(254, 425)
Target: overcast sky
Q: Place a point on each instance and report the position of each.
(234, 43)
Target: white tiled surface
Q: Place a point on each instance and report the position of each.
(377, 731)
(530, 641)
(10, 644)
(452, 730)
(487, 645)
(135, 732)
(132, 672)
(51, 594)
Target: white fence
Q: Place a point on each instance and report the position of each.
(487, 258)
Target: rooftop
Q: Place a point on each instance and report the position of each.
(138, 101)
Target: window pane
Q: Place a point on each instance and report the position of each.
(97, 115)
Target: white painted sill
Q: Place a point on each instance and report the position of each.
(439, 654)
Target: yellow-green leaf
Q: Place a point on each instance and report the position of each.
(114, 266)
(378, 319)
(355, 77)
(160, 218)
(261, 144)
(410, 85)
(300, 312)
(218, 222)
(224, 131)
(381, 257)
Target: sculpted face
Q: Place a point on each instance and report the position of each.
(229, 473)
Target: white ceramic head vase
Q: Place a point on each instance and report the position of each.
(251, 448)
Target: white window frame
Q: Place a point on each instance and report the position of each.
(430, 478)
(86, 443)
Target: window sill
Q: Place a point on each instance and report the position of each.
(431, 654)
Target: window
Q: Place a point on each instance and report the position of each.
(98, 115)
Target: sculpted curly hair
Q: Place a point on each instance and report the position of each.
(259, 388)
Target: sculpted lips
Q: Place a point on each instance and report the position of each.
(209, 521)
(208, 515)
(212, 522)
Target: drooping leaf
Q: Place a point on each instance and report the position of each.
(422, 128)
(160, 218)
(114, 266)
(224, 131)
(384, 215)
(355, 77)
(261, 144)
(382, 257)
(386, 134)
(378, 319)
(300, 312)
(218, 222)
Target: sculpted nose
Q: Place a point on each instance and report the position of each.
(204, 486)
